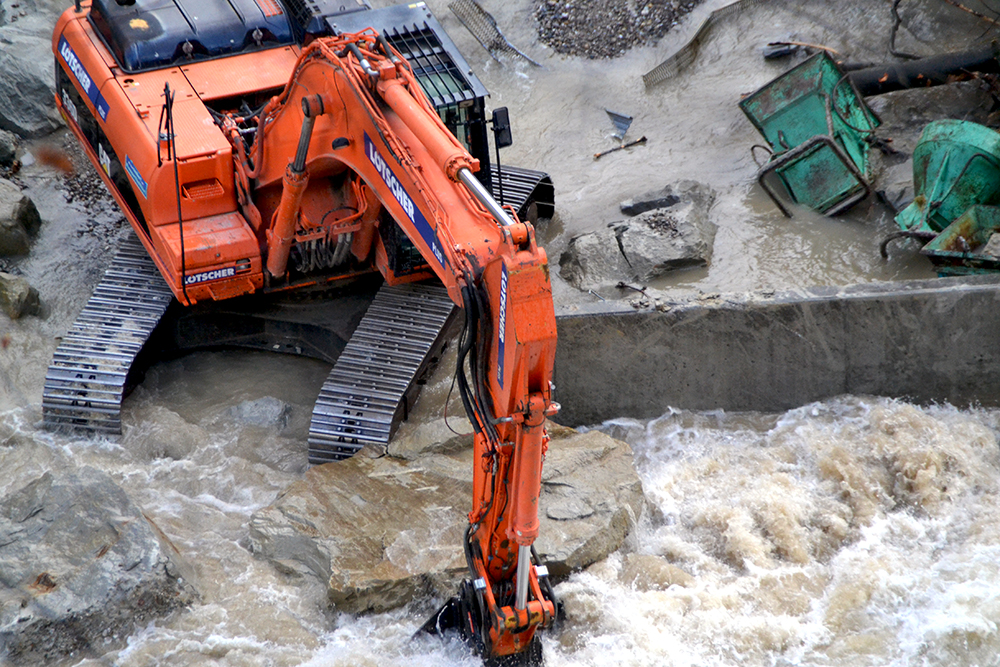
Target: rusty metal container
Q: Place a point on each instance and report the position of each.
(956, 165)
(817, 125)
(964, 246)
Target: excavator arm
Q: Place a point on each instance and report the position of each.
(353, 111)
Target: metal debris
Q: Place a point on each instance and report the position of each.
(956, 165)
(775, 50)
(640, 140)
(621, 121)
(484, 28)
(969, 245)
(673, 65)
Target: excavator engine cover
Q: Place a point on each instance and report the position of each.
(148, 35)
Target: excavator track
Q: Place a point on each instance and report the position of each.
(521, 188)
(86, 381)
(376, 378)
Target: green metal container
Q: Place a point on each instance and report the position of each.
(816, 124)
(959, 249)
(956, 165)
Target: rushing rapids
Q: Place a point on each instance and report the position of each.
(857, 530)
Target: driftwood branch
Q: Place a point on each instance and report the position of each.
(978, 15)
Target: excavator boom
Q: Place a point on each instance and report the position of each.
(357, 104)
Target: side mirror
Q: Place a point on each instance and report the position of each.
(501, 128)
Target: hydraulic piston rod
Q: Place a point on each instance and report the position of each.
(484, 197)
(523, 575)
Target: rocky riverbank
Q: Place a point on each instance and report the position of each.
(380, 530)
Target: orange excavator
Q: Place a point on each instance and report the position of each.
(263, 146)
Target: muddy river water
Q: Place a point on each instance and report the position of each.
(859, 530)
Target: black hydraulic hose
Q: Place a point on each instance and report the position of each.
(386, 49)
(546, 585)
(467, 547)
(473, 348)
(365, 65)
(465, 344)
(177, 183)
(479, 371)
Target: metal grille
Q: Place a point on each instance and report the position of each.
(435, 70)
(302, 11)
(673, 65)
(484, 28)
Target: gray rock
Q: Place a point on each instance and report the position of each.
(666, 239)
(594, 260)
(27, 81)
(8, 148)
(19, 220)
(17, 297)
(382, 530)
(654, 242)
(895, 185)
(80, 568)
(669, 195)
(264, 412)
(992, 246)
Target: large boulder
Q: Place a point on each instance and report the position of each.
(80, 567)
(666, 239)
(594, 260)
(27, 81)
(17, 297)
(671, 230)
(19, 220)
(381, 530)
(8, 148)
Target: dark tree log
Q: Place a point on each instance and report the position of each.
(925, 72)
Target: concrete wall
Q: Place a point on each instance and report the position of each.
(933, 340)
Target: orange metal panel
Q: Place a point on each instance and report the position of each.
(203, 151)
(222, 258)
(242, 74)
(197, 133)
(208, 242)
(86, 66)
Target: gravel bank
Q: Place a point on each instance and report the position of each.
(606, 28)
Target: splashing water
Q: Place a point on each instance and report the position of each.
(856, 531)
